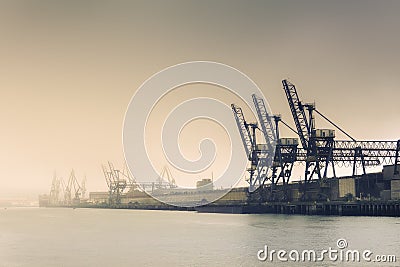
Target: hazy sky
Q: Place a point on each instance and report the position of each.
(69, 68)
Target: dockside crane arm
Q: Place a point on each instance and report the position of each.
(243, 130)
(114, 174)
(267, 126)
(106, 176)
(298, 113)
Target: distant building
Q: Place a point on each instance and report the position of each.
(205, 185)
(99, 197)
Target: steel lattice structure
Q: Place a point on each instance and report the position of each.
(318, 152)
(267, 126)
(297, 109)
(259, 156)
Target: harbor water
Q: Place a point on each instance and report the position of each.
(112, 237)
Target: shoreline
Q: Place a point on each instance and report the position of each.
(328, 208)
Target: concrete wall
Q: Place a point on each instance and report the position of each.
(334, 188)
(346, 186)
(395, 191)
(388, 172)
(385, 195)
(235, 196)
(295, 194)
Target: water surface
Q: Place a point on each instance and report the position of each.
(100, 237)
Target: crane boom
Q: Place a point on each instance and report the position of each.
(267, 126)
(243, 129)
(298, 112)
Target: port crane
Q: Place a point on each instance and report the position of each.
(164, 181)
(319, 151)
(116, 184)
(256, 154)
(72, 189)
(282, 150)
(83, 188)
(272, 161)
(56, 190)
(120, 182)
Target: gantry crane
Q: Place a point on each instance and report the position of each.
(83, 188)
(55, 191)
(320, 149)
(116, 184)
(120, 181)
(272, 161)
(282, 150)
(259, 155)
(166, 180)
(73, 190)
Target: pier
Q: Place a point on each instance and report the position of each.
(376, 208)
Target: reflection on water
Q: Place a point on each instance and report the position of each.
(96, 237)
